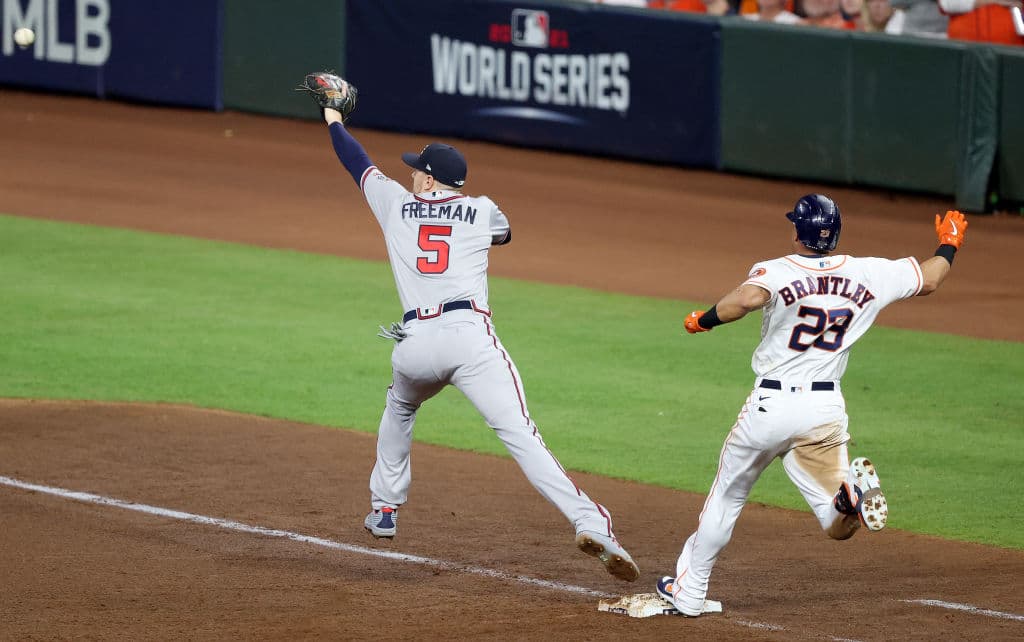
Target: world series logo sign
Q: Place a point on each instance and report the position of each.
(527, 61)
(530, 28)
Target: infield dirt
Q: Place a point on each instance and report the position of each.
(70, 570)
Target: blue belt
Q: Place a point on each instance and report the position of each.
(774, 384)
(447, 307)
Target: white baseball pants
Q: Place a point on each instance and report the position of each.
(808, 430)
(461, 348)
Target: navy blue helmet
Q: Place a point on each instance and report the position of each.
(817, 222)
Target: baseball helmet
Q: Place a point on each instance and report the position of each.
(817, 222)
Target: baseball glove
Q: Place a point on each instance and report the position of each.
(330, 91)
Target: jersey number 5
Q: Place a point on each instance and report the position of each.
(835, 322)
(438, 247)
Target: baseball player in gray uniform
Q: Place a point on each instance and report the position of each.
(438, 241)
(816, 305)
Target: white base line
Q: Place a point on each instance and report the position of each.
(325, 543)
(968, 608)
(298, 537)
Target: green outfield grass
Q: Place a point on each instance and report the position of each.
(613, 383)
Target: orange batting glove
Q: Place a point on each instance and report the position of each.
(691, 324)
(951, 228)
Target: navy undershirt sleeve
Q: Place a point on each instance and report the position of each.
(350, 152)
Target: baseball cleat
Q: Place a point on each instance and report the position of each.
(607, 549)
(382, 523)
(861, 495)
(666, 587)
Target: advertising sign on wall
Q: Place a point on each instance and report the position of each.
(164, 51)
(578, 77)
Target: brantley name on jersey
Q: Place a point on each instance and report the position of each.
(837, 285)
(418, 209)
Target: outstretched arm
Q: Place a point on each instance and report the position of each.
(733, 307)
(336, 98)
(349, 151)
(951, 231)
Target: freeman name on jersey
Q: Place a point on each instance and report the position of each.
(837, 285)
(418, 209)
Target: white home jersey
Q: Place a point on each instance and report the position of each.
(820, 307)
(437, 241)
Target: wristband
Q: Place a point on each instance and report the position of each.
(710, 318)
(945, 251)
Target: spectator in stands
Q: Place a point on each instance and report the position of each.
(710, 7)
(824, 13)
(923, 18)
(983, 20)
(852, 11)
(880, 16)
(773, 11)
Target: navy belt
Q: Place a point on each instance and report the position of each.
(447, 307)
(774, 384)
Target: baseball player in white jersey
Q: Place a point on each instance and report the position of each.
(816, 305)
(438, 241)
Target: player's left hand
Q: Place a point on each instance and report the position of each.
(951, 228)
(395, 332)
(329, 91)
(691, 324)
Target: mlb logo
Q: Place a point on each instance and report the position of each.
(530, 28)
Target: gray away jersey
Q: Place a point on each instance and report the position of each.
(437, 241)
(820, 307)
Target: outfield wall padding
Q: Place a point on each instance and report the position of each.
(1010, 172)
(785, 102)
(863, 109)
(269, 46)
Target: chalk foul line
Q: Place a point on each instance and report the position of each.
(319, 541)
(297, 537)
(967, 607)
(403, 557)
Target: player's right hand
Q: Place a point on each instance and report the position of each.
(691, 324)
(951, 228)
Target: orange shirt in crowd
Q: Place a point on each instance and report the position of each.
(991, 23)
(693, 6)
(697, 6)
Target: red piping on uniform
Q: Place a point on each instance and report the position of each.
(600, 509)
(494, 339)
(486, 313)
(440, 200)
(366, 172)
(917, 273)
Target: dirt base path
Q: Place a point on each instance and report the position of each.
(71, 568)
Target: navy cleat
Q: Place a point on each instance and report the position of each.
(382, 523)
(666, 587)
